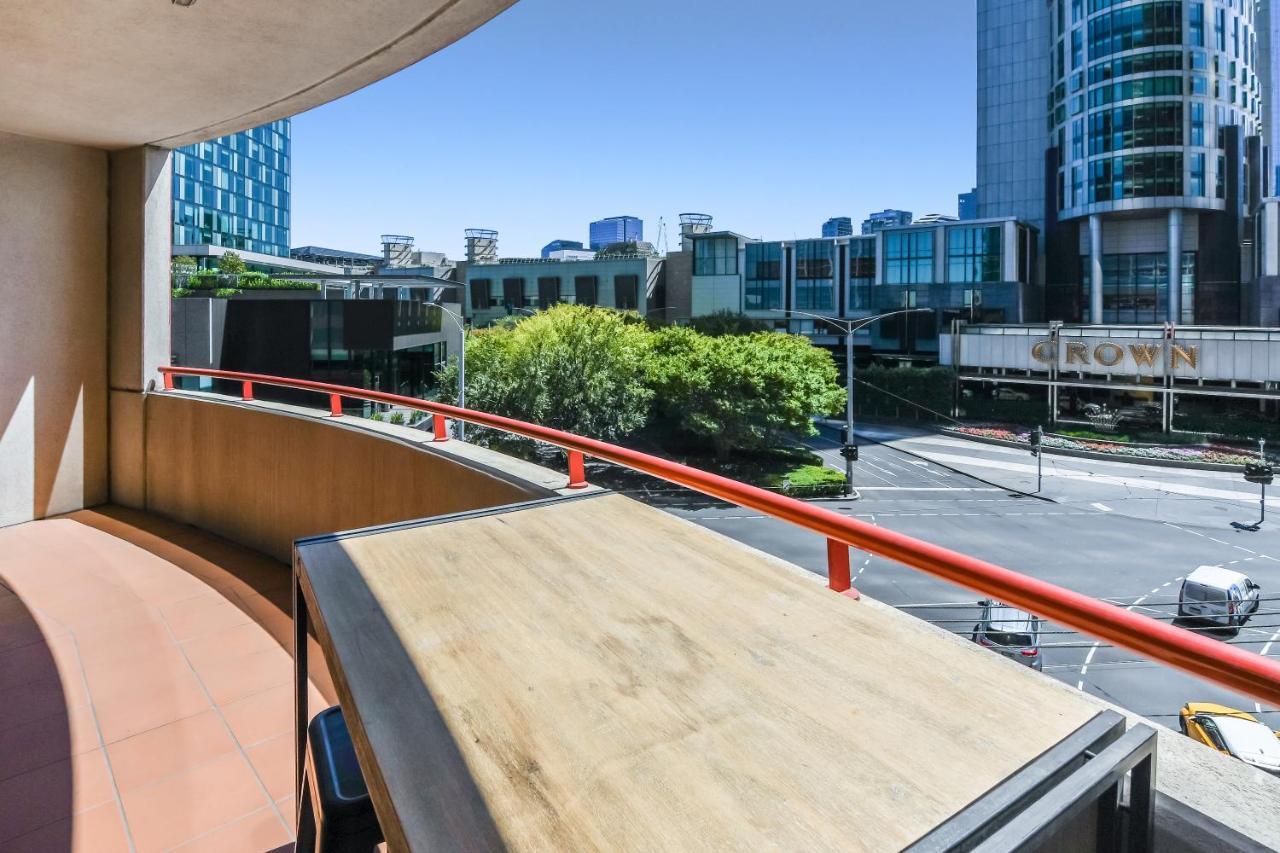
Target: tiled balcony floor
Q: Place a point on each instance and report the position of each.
(147, 688)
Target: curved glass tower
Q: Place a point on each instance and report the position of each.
(1153, 157)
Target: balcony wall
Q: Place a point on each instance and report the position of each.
(53, 328)
(264, 474)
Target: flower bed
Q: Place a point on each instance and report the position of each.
(1216, 454)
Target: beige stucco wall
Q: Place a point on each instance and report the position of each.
(53, 327)
(263, 476)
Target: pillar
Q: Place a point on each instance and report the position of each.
(1095, 268)
(140, 228)
(1175, 264)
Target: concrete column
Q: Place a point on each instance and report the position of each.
(140, 227)
(1095, 268)
(1175, 264)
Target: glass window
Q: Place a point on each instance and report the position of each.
(815, 287)
(1137, 126)
(862, 272)
(715, 256)
(1197, 123)
(1196, 187)
(908, 257)
(626, 292)
(1135, 176)
(1195, 25)
(1135, 286)
(763, 282)
(1129, 28)
(973, 254)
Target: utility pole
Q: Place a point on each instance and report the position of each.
(1261, 473)
(1037, 450)
(849, 443)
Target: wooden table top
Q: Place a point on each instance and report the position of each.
(595, 674)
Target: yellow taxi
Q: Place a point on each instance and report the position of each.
(1236, 733)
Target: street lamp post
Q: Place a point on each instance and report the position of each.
(849, 447)
(462, 368)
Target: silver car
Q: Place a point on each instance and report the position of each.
(1012, 632)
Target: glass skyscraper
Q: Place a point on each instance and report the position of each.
(233, 191)
(837, 226)
(615, 229)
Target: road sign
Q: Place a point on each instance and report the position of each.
(850, 452)
(1259, 472)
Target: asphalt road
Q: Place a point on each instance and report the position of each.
(1092, 546)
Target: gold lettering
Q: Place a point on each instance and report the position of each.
(1145, 354)
(1043, 351)
(1077, 352)
(1185, 354)
(1111, 349)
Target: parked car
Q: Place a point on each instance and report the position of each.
(1218, 596)
(1002, 393)
(1012, 632)
(1236, 733)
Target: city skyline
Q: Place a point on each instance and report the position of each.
(685, 137)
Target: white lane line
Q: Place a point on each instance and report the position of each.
(1257, 706)
(1100, 507)
(929, 489)
(1093, 650)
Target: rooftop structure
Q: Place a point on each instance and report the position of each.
(837, 226)
(885, 219)
(559, 246)
(615, 229)
(333, 257)
(482, 245)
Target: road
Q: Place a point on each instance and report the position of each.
(1091, 540)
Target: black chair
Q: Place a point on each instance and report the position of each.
(335, 814)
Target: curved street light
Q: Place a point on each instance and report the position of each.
(462, 365)
(849, 447)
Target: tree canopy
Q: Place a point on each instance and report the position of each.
(727, 323)
(743, 392)
(571, 367)
(604, 374)
(231, 264)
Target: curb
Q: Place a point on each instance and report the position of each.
(1101, 457)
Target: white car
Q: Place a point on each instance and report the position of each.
(1217, 595)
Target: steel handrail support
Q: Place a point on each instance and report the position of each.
(1222, 664)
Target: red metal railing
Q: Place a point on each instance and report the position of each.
(1223, 664)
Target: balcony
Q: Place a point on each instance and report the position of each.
(572, 664)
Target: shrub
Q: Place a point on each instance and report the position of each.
(231, 264)
(396, 418)
(727, 323)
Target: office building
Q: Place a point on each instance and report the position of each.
(614, 229)
(837, 226)
(967, 205)
(1145, 165)
(560, 246)
(233, 191)
(885, 219)
(514, 286)
(977, 271)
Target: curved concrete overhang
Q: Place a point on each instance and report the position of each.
(130, 72)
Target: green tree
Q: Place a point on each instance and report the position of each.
(231, 264)
(571, 367)
(741, 392)
(727, 323)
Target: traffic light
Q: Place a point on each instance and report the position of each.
(850, 452)
(1259, 472)
(1037, 438)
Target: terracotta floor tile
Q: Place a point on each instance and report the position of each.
(228, 643)
(263, 715)
(123, 638)
(273, 761)
(169, 749)
(147, 664)
(52, 793)
(229, 680)
(97, 830)
(288, 809)
(202, 615)
(38, 699)
(55, 737)
(258, 832)
(189, 804)
(145, 705)
(31, 662)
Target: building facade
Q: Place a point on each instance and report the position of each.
(1131, 134)
(885, 219)
(967, 205)
(615, 229)
(560, 246)
(515, 286)
(233, 191)
(837, 226)
(978, 271)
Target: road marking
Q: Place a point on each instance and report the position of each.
(1257, 706)
(929, 489)
(1094, 648)
(1101, 507)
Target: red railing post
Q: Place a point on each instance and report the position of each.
(168, 381)
(335, 406)
(838, 578)
(577, 470)
(439, 429)
(246, 390)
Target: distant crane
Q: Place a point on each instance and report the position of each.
(662, 235)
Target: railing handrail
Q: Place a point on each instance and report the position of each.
(1212, 660)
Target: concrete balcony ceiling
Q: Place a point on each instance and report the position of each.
(129, 72)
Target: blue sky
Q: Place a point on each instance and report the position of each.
(769, 116)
